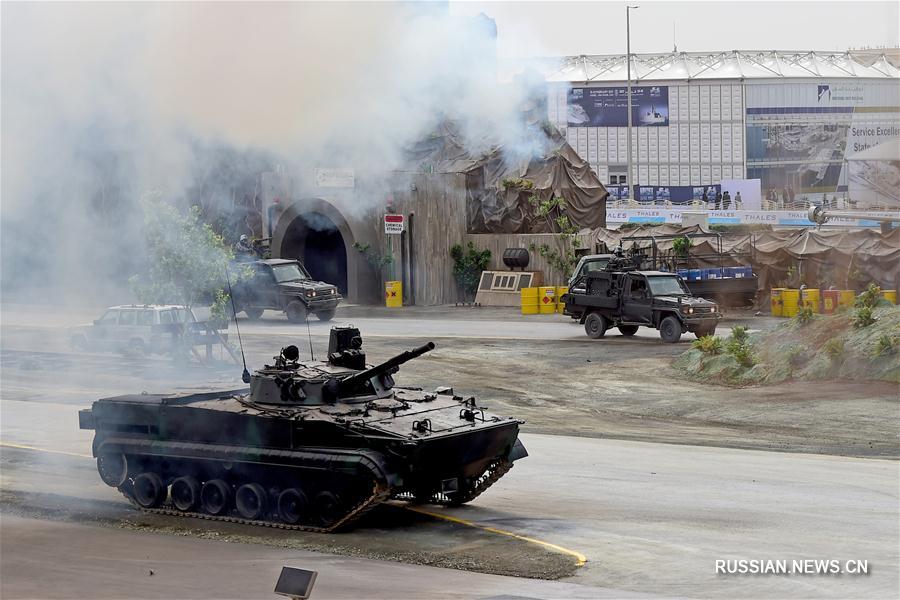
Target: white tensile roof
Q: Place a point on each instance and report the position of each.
(733, 64)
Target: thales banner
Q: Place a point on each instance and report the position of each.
(608, 106)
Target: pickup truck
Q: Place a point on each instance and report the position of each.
(628, 299)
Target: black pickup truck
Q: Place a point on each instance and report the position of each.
(283, 285)
(628, 299)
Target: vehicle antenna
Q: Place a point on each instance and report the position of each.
(309, 335)
(245, 376)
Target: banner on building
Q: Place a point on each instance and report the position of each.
(735, 217)
(608, 106)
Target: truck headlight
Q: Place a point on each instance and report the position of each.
(712, 309)
(687, 309)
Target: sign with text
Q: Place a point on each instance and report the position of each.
(608, 106)
(393, 224)
(335, 178)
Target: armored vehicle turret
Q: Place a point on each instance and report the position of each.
(310, 445)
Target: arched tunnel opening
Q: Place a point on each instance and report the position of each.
(315, 239)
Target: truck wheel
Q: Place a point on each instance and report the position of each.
(670, 330)
(253, 313)
(628, 330)
(79, 342)
(595, 326)
(296, 312)
(704, 332)
(326, 315)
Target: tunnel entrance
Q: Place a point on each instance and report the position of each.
(314, 238)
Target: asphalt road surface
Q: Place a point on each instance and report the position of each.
(651, 519)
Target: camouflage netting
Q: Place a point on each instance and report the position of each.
(847, 259)
(503, 187)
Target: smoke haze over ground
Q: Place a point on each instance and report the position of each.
(102, 103)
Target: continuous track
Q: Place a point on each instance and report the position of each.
(379, 494)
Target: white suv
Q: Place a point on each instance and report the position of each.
(135, 328)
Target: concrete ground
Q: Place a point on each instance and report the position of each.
(651, 518)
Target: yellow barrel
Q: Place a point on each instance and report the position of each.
(393, 294)
(776, 302)
(530, 301)
(846, 298)
(811, 299)
(547, 299)
(560, 305)
(790, 302)
(890, 296)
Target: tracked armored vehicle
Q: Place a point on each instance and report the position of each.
(310, 445)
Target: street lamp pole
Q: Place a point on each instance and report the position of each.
(631, 186)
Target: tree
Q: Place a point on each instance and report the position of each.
(185, 259)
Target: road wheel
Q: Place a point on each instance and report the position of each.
(628, 330)
(215, 497)
(327, 509)
(113, 469)
(703, 332)
(186, 493)
(149, 490)
(250, 501)
(595, 326)
(670, 330)
(326, 315)
(137, 348)
(253, 313)
(296, 312)
(292, 505)
(79, 342)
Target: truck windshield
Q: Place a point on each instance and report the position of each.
(289, 272)
(667, 286)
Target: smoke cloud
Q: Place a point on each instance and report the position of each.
(105, 102)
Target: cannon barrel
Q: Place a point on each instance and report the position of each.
(388, 366)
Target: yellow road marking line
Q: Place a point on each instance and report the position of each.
(24, 447)
(580, 558)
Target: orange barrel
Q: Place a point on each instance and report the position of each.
(890, 296)
(776, 302)
(530, 301)
(547, 299)
(393, 294)
(790, 301)
(830, 300)
(846, 298)
(560, 305)
(811, 299)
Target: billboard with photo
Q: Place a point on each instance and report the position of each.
(608, 106)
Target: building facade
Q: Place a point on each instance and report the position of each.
(788, 119)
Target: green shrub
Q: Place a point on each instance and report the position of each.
(739, 334)
(870, 298)
(804, 315)
(708, 344)
(468, 263)
(834, 349)
(681, 246)
(743, 354)
(885, 345)
(863, 317)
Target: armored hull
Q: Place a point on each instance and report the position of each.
(310, 445)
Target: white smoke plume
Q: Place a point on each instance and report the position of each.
(103, 102)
